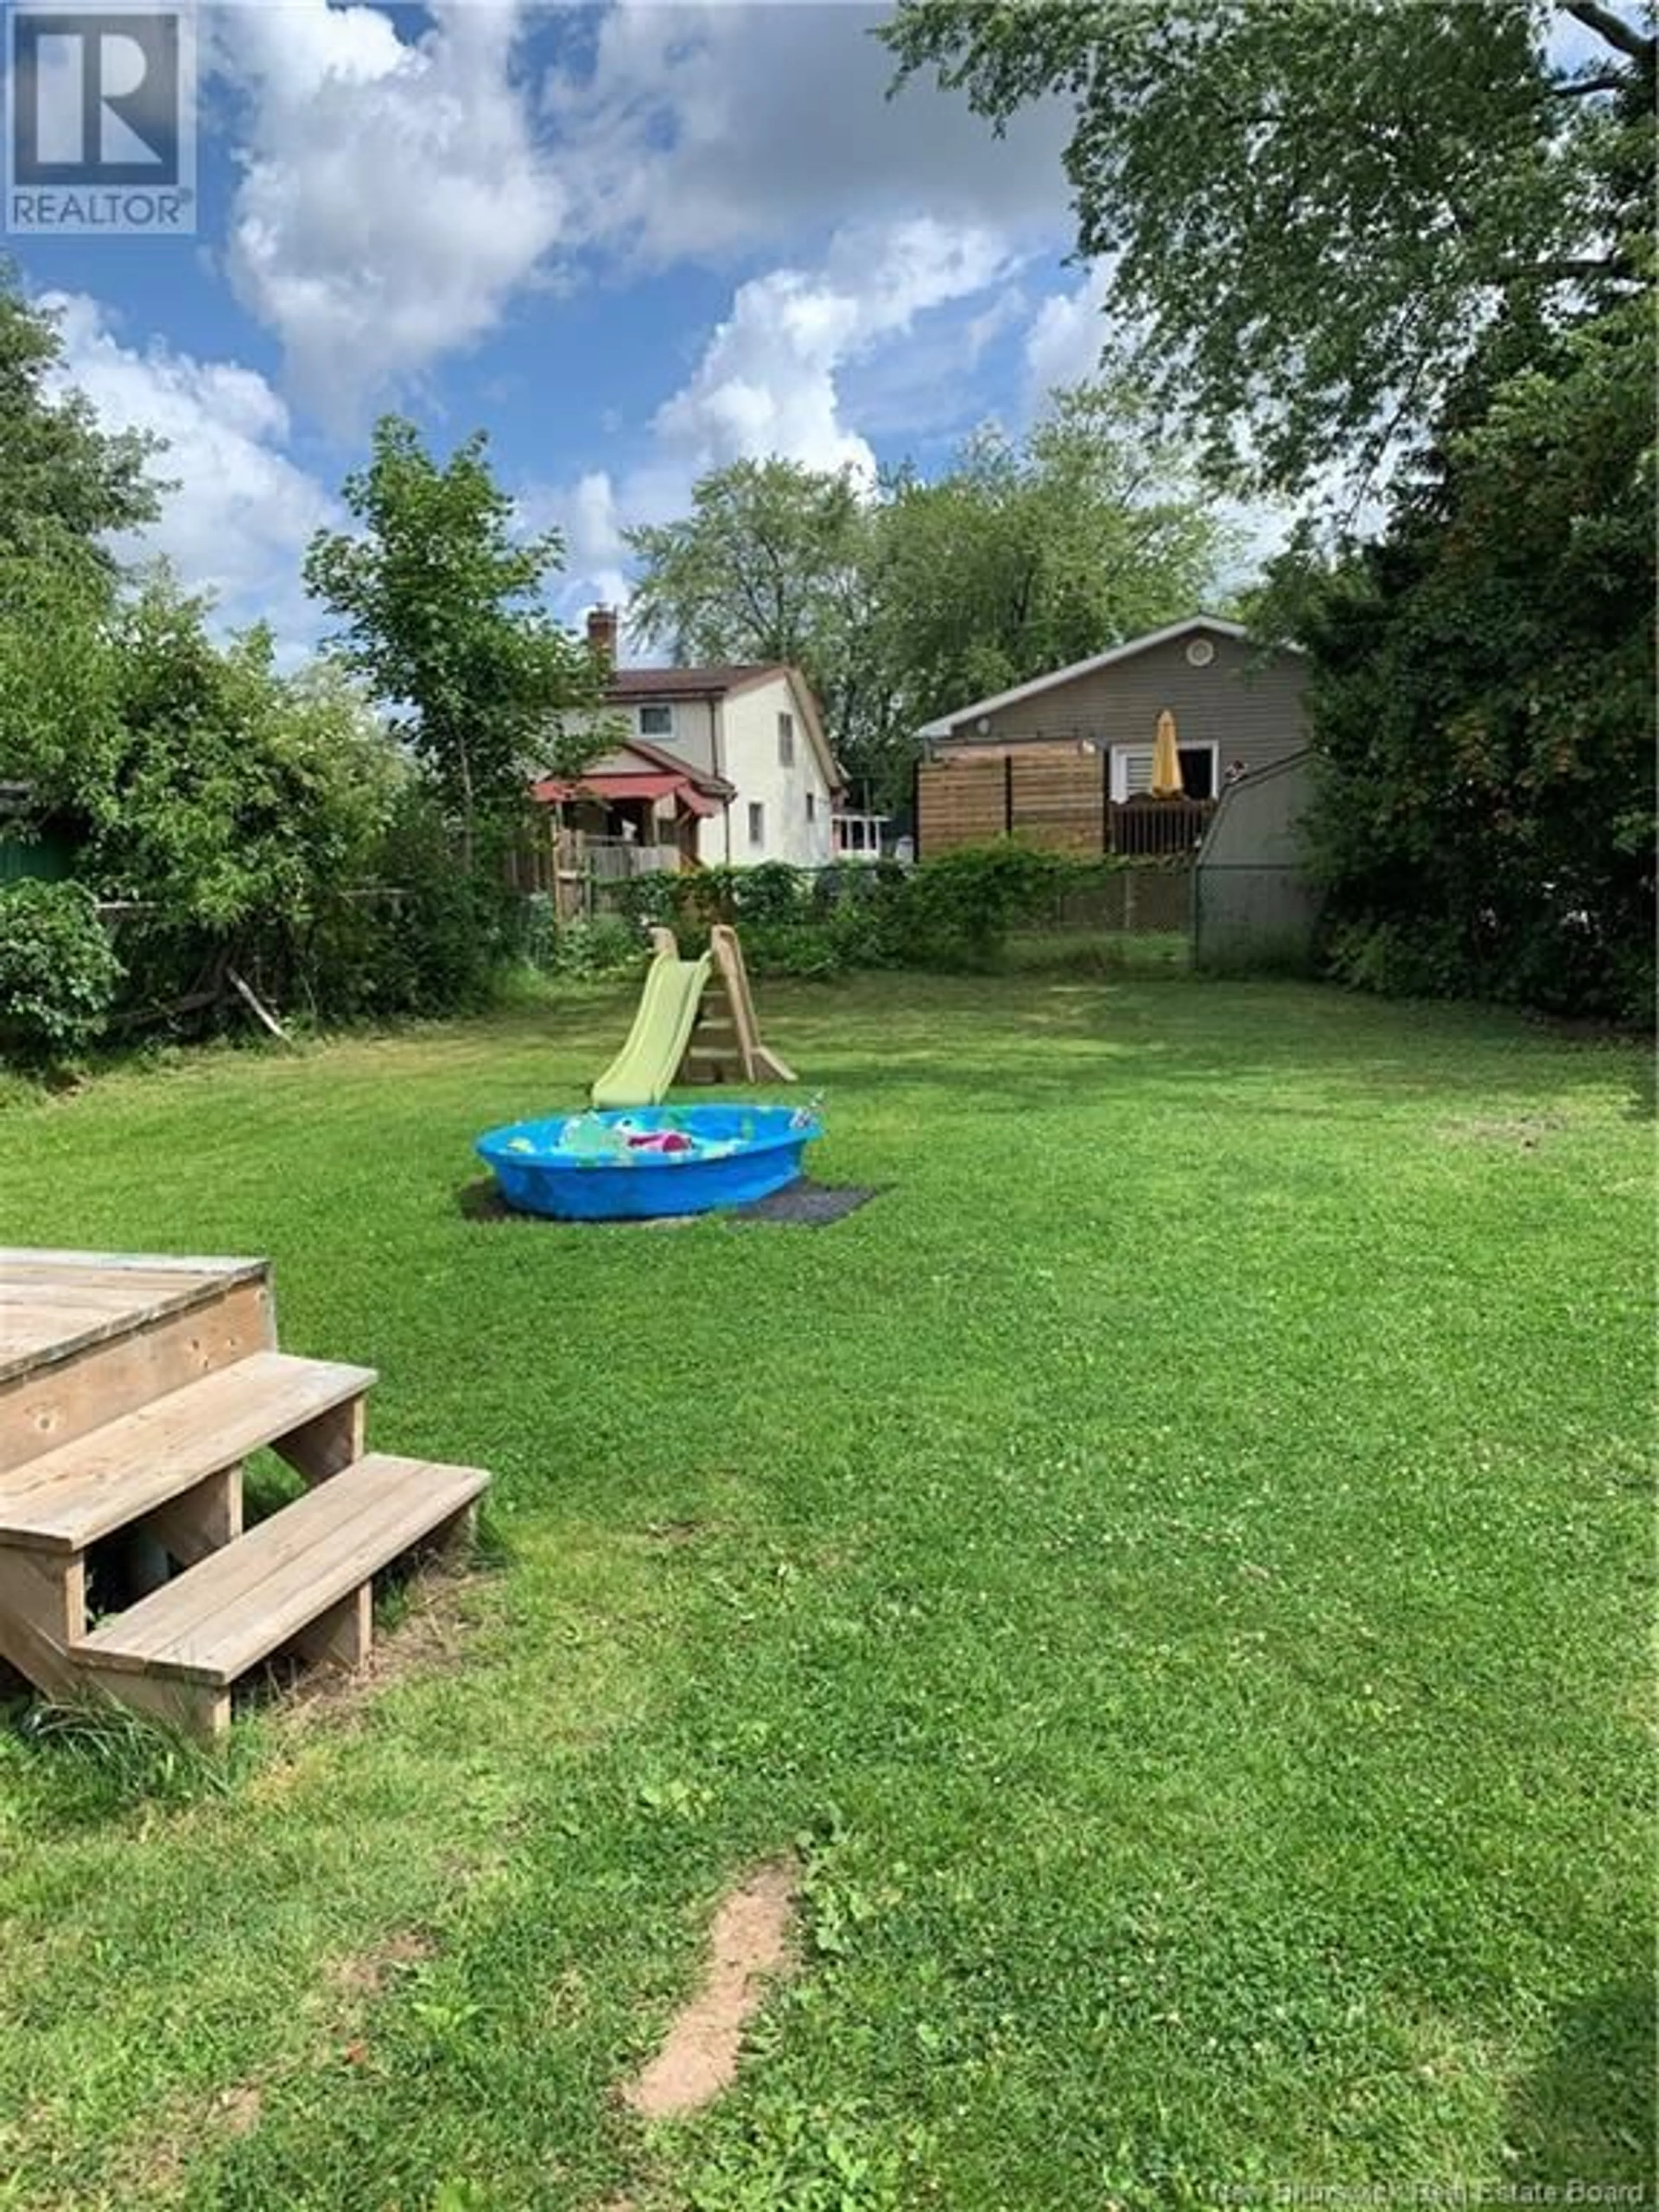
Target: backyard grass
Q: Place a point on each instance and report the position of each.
(1174, 1568)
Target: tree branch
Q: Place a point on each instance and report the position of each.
(1578, 87)
(1611, 29)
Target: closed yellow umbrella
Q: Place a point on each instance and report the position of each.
(1166, 761)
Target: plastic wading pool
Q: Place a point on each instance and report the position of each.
(647, 1161)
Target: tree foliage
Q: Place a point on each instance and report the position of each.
(904, 600)
(1314, 208)
(1029, 555)
(773, 563)
(65, 483)
(442, 612)
(1483, 690)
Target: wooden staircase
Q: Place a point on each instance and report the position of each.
(132, 1390)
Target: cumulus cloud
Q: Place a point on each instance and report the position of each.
(393, 197)
(770, 377)
(700, 130)
(240, 512)
(1066, 335)
(768, 381)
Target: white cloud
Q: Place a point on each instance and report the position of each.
(767, 382)
(701, 130)
(770, 377)
(1066, 335)
(393, 197)
(240, 513)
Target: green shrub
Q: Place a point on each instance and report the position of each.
(58, 971)
(590, 950)
(955, 911)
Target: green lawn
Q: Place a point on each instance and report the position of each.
(1176, 1566)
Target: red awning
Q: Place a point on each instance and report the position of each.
(655, 784)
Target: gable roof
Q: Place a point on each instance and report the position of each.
(638, 687)
(943, 725)
(629, 686)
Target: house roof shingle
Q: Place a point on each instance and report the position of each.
(635, 683)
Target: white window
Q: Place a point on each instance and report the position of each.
(656, 721)
(1132, 770)
(811, 806)
(785, 741)
(757, 822)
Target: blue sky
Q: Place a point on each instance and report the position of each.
(632, 242)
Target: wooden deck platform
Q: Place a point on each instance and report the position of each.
(133, 1386)
(53, 1304)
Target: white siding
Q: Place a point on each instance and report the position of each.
(749, 759)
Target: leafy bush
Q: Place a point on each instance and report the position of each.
(58, 971)
(955, 911)
(589, 951)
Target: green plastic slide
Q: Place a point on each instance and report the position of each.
(642, 1070)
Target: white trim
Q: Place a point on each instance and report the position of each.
(946, 725)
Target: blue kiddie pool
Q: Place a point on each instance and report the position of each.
(646, 1161)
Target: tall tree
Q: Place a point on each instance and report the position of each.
(65, 483)
(1025, 556)
(901, 602)
(1315, 208)
(441, 612)
(1483, 686)
(774, 562)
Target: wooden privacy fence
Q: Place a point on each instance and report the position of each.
(1063, 804)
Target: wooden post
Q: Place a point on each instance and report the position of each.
(344, 1634)
(327, 1444)
(43, 1612)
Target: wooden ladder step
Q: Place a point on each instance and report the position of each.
(210, 1624)
(65, 1500)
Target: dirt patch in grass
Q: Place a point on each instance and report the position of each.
(748, 1947)
(1526, 1131)
(430, 1636)
(366, 1973)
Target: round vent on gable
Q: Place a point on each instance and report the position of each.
(1200, 652)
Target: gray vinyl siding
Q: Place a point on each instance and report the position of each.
(1250, 713)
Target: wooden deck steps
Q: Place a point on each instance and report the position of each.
(132, 1389)
(309, 1410)
(309, 1568)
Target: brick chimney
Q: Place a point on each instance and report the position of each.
(602, 635)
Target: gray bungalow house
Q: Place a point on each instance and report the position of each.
(1229, 707)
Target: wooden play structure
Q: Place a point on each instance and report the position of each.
(132, 1389)
(696, 1024)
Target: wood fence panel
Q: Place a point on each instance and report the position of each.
(962, 804)
(1057, 801)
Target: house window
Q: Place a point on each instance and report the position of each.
(811, 806)
(785, 741)
(1132, 770)
(757, 822)
(656, 721)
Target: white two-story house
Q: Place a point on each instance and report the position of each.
(755, 778)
